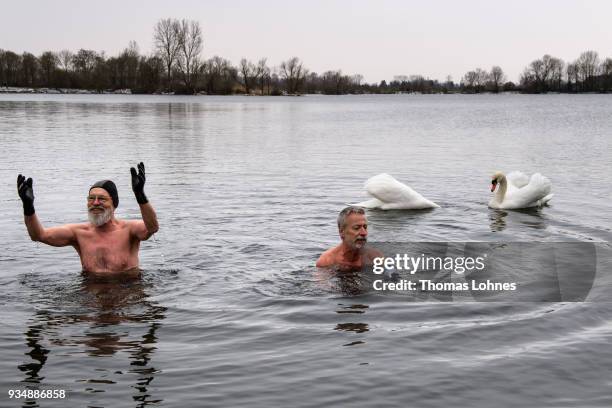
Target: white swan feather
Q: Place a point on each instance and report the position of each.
(390, 194)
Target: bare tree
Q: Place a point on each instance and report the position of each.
(11, 64)
(293, 73)
(263, 74)
(190, 47)
(497, 78)
(334, 82)
(150, 73)
(475, 81)
(543, 74)
(84, 61)
(65, 59)
(572, 75)
(65, 67)
(131, 57)
(557, 67)
(48, 65)
(482, 77)
(123, 70)
(99, 78)
(29, 69)
(588, 65)
(469, 80)
(248, 71)
(166, 37)
(219, 75)
(537, 73)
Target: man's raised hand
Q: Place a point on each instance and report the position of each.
(138, 182)
(26, 193)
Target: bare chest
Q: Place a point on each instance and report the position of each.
(107, 252)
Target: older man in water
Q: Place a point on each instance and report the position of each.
(106, 244)
(352, 253)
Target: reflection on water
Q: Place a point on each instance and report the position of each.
(529, 217)
(353, 327)
(497, 219)
(106, 318)
(354, 309)
(357, 309)
(37, 352)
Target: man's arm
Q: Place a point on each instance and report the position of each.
(56, 236)
(148, 226)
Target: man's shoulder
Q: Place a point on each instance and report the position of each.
(127, 223)
(133, 225)
(327, 258)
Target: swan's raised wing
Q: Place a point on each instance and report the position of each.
(518, 179)
(534, 194)
(396, 195)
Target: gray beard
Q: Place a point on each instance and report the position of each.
(100, 219)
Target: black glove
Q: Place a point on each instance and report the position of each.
(26, 193)
(138, 182)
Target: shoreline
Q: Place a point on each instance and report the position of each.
(76, 91)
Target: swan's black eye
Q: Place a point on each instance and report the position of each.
(494, 182)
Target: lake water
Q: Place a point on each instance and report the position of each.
(231, 311)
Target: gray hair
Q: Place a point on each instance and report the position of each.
(351, 209)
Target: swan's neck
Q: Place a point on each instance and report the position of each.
(501, 190)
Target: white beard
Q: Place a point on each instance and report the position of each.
(100, 219)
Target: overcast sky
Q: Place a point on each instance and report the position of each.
(378, 39)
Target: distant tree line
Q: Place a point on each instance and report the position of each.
(176, 66)
(588, 73)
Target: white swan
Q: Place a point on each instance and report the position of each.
(517, 190)
(390, 194)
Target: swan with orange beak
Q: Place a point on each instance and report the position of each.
(517, 190)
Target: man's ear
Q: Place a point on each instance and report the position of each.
(341, 233)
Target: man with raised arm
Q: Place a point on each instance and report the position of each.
(105, 244)
(352, 253)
